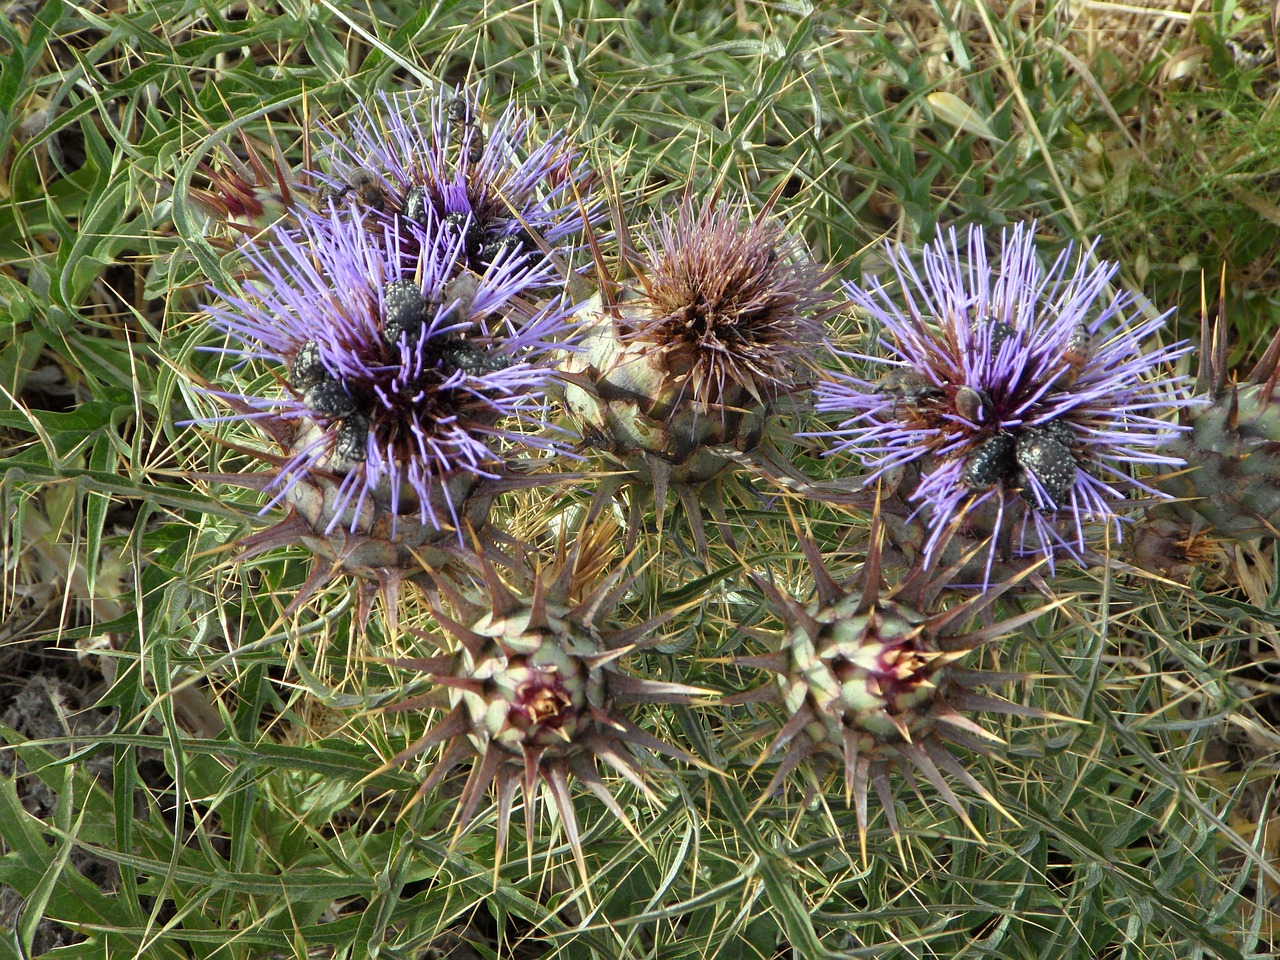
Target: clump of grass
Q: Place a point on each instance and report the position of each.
(1174, 166)
(241, 807)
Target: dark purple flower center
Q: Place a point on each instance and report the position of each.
(541, 701)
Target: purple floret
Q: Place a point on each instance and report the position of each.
(1020, 394)
(390, 412)
(511, 184)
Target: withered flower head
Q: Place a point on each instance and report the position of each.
(727, 303)
(680, 378)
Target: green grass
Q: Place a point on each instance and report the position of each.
(231, 794)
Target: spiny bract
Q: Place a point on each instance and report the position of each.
(1232, 446)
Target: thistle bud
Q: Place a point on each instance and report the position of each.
(867, 680)
(536, 695)
(1231, 446)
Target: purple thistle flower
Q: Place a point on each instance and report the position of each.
(1022, 396)
(394, 385)
(495, 187)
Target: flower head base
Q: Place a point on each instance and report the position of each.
(869, 681)
(246, 197)
(398, 392)
(722, 321)
(870, 670)
(534, 693)
(494, 187)
(1022, 399)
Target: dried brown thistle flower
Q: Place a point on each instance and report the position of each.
(680, 376)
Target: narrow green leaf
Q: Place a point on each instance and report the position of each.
(781, 892)
(37, 900)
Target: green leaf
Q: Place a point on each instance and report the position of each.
(769, 864)
(16, 301)
(37, 901)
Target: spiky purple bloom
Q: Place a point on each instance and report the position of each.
(495, 185)
(393, 381)
(1024, 397)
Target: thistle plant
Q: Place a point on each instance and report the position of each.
(502, 191)
(400, 395)
(1020, 400)
(684, 369)
(1231, 444)
(376, 358)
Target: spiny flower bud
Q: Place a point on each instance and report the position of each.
(247, 198)
(867, 681)
(1232, 444)
(535, 694)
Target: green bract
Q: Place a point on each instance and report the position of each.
(634, 406)
(539, 687)
(1233, 456)
(874, 671)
